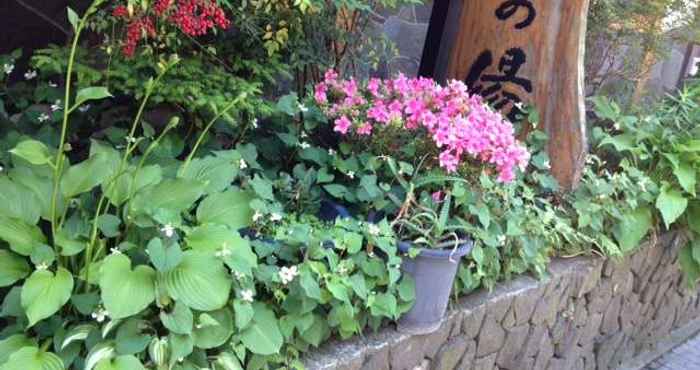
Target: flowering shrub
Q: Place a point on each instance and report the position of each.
(192, 17)
(458, 124)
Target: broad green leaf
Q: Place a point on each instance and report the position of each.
(126, 292)
(227, 361)
(86, 175)
(180, 320)
(621, 143)
(43, 255)
(225, 243)
(200, 281)
(384, 305)
(44, 293)
(12, 344)
(244, 313)
(99, 353)
(686, 175)
(33, 151)
(42, 188)
(132, 337)
(263, 336)
(317, 332)
(672, 204)
(407, 288)
(12, 268)
(130, 182)
(127, 362)
(262, 187)
(18, 201)
(693, 216)
(21, 237)
(164, 258)
(73, 18)
(217, 172)
(172, 195)
(91, 93)
(337, 191)
(207, 337)
(689, 265)
(78, 333)
(288, 104)
(310, 284)
(338, 290)
(230, 208)
(32, 358)
(109, 225)
(68, 246)
(633, 228)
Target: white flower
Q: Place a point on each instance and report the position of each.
(247, 295)
(56, 105)
(502, 239)
(374, 229)
(224, 252)
(168, 230)
(30, 75)
(351, 174)
(305, 145)
(100, 315)
(257, 216)
(8, 68)
(1, 168)
(274, 217)
(287, 274)
(42, 266)
(303, 135)
(255, 123)
(115, 251)
(303, 108)
(520, 105)
(84, 108)
(242, 165)
(617, 126)
(342, 270)
(547, 165)
(238, 275)
(52, 84)
(43, 117)
(331, 152)
(130, 139)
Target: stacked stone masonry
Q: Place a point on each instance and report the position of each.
(590, 313)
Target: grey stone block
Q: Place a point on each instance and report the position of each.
(513, 348)
(450, 354)
(491, 337)
(471, 324)
(485, 363)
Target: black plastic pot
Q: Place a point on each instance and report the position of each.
(434, 271)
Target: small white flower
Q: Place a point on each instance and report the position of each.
(247, 295)
(305, 145)
(8, 68)
(374, 229)
(30, 75)
(303, 135)
(351, 174)
(287, 274)
(130, 139)
(43, 117)
(342, 270)
(115, 251)
(303, 108)
(52, 84)
(519, 105)
(274, 217)
(84, 108)
(168, 230)
(331, 152)
(255, 123)
(1, 168)
(100, 315)
(547, 165)
(224, 252)
(242, 165)
(617, 126)
(238, 275)
(56, 105)
(502, 239)
(257, 216)
(42, 266)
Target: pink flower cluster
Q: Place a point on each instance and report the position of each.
(459, 124)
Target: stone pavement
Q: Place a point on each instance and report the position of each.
(684, 357)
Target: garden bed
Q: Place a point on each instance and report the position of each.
(591, 313)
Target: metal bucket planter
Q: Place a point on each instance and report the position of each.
(434, 272)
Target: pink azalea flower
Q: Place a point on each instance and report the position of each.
(342, 125)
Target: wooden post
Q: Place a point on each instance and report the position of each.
(513, 51)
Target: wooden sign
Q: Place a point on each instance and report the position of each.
(519, 51)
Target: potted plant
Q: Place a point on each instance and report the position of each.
(434, 139)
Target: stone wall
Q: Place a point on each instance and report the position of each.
(590, 314)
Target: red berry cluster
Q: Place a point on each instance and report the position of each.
(192, 17)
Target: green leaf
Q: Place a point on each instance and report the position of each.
(43, 255)
(12, 344)
(338, 290)
(181, 346)
(672, 204)
(21, 237)
(407, 288)
(86, 175)
(127, 362)
(288, 104)
(244, 313)
(310, 284)
(109, 225)
(73, 18)
(126, 292)
(384, 305)
(227, 361)
(230, 208)
(690, 267)
(336, 190)
(200, 281)
(180, 320)
(217, 172)
(42, 188)
(12, 268)
(44, 293)
(621, 143)
(131, 181)
(131, 339)
(32, 358)
(19, 202)
(227, 244)
(78, 333)
(262, 187)
(33, 151)
(208, 337)
(173, 195)
(164, 258)
(693, 216)
(91, 93)
(263, 336)
(686, 175)
(633, 227)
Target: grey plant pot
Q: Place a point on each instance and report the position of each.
(434, 271)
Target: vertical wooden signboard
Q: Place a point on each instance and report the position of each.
(519, 51)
